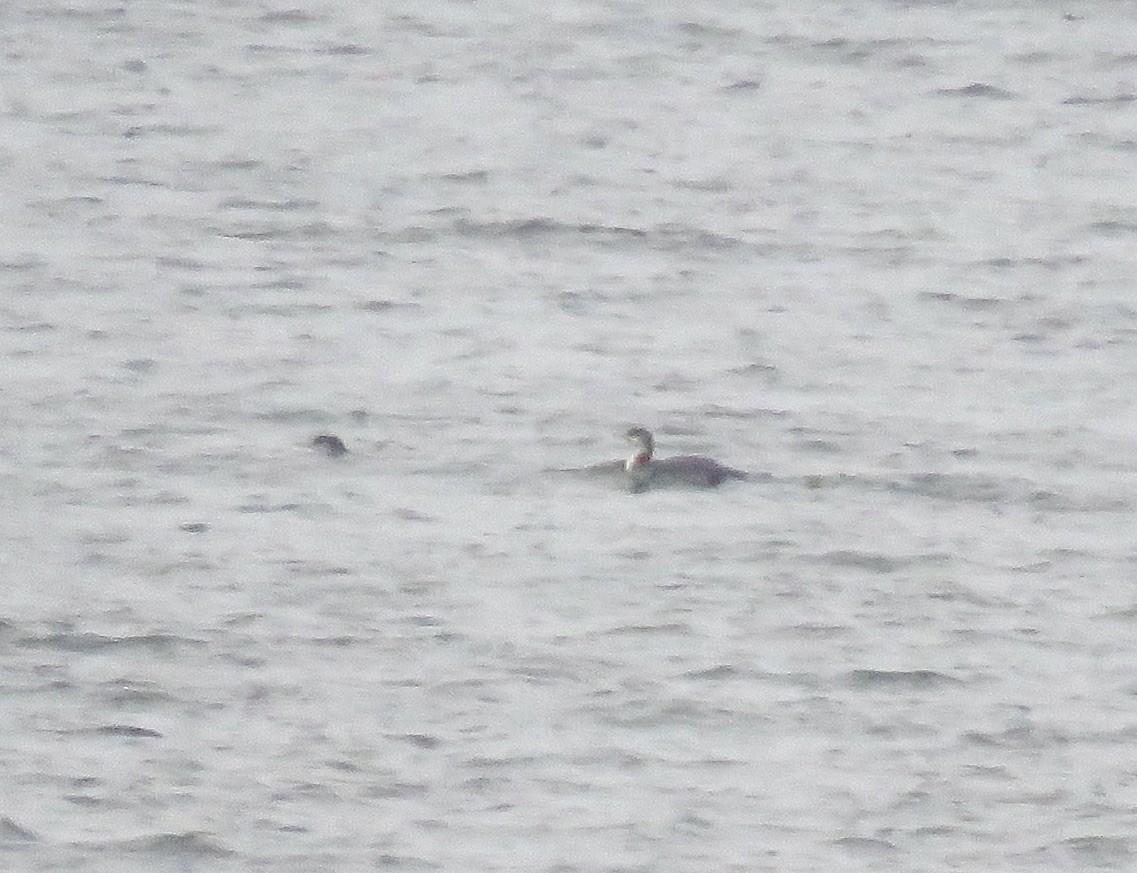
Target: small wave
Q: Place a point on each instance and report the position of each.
(650, 713)
(345, 49)
(194, 843)
(259, 508)
(913, 679)
(666, 237)
(978, 89)
(722, 671)
(419, 741)
(866, 846)
(1114, 228)
(1022, 736)
(266, 205)
(871, 561)
(960, 487)
(674, 627)
(1087, 100)
(528, 228)
(13, 831)
(131, 693)
(124, 730)
(1096, 850)
(290, 16)
(965, 302)
(136, 131)
(396, 790)
(980, 488)
(93, 642)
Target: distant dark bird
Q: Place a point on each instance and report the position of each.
(645, 472)
(330, 445)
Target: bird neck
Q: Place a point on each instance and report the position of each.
(638, 460)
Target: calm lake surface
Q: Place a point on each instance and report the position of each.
(881, 253)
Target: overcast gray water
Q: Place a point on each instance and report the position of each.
(882, 253)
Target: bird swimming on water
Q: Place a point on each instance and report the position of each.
(330, 444)
(696, 471)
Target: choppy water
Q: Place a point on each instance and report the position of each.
(882, 252)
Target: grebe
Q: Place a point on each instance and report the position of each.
(330, 445)
(692, 470)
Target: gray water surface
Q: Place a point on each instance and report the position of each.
(881, 252)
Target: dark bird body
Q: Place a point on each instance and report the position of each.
(692, 471)
(330, 445)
